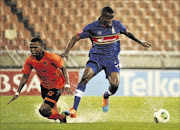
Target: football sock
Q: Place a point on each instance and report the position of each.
(79, 93)
(76, 102)
(107, 94)
(112, 90)
(55, 115)
(56, 108)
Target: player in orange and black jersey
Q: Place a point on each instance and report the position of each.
(52, 75)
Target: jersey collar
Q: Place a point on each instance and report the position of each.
(100, 24)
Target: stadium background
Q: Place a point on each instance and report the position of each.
(152, 72)
(56, 21)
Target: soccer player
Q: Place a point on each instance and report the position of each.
(103, 55)
(52, 75)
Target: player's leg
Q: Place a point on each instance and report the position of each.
(47, 108)
(87, 75)
(44, 92)
(112, 70)
(56, 108)
(114, 79)
(90, 71)
(47, 111)
(114, 84)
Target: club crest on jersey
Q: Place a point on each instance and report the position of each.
(113, 31)
(99, 32)
(45, 63)
(50, 93)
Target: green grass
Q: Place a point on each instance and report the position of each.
(129, 113)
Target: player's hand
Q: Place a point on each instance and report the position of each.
(14, 98)
(64, 55)
(146, 44)
(67, 89)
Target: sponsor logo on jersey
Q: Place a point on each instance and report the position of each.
(106, 39)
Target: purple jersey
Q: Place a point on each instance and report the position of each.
(105, 40)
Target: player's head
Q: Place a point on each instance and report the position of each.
(107, 15)
(36, 46)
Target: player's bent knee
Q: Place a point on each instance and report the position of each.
(114, 83)
(114, 79)
(45, 112)
(113, 89)
(88, 74)
(85, 79)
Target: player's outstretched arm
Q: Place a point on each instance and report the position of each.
(67, 84)
(21, 85)
(69, 46)
(65, 73)
(14, 98)
(130, 35)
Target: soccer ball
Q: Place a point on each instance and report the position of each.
(161, 116)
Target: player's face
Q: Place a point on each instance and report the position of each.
(107, 19)
(35, 49)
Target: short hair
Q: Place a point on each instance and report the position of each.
(106, 10)
(38, 40)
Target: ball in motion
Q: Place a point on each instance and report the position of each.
(161, 116)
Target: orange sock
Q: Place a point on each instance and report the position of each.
(56, 108)
(55, 115)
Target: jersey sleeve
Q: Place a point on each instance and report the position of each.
(122, 27)
(85, 33)
(57, 60)
(27, 67)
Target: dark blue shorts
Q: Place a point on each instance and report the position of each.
(99, 62)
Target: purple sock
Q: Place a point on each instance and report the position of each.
(76, 102)
(106, 95)
(79, 93)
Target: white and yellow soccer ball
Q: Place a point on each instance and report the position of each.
(161, 116)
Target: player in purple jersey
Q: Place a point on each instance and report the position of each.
(102, 56)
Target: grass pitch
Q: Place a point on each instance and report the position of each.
(124, 113)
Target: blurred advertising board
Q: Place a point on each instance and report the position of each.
(10, 79)
(139, 83)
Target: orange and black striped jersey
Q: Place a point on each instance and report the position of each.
(47, 69)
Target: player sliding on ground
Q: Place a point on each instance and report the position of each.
(103, 55)
(53, 77)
